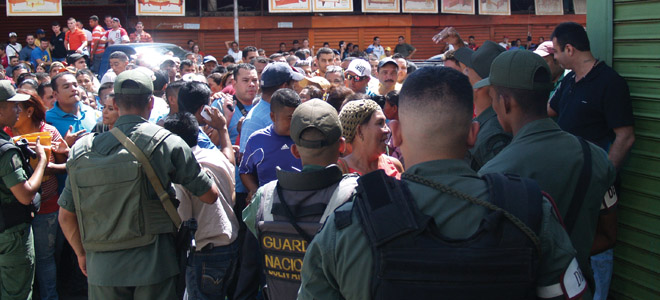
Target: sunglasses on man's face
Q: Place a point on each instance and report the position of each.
(355, 78)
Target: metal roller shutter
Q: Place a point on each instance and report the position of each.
(636, 57)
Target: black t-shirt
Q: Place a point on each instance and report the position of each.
(594, 106)
(57, 41)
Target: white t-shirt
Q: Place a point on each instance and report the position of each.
(13, 50)
(88, 34)
(117, 36)
(238, 56)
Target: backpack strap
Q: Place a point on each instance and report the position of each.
(385, 208)
(580, 189)
(521, 197)
(151, 174)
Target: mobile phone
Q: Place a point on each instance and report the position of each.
(205, 114)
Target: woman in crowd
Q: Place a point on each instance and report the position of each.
(88, 81)
(366, 133)
(55, 68)
(45, 226)
(199, 55)
(41, 68)
(110, 115)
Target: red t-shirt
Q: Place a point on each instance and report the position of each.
(75, 39)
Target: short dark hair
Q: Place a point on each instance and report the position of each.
(185, 63)
(184, 125)
(295, 42)
(284, 98)
(401, 37)
(55, 23)
(300, 54)
(161, 80)
(438, 89)
(392, 98)
(53, 80)
(324, 50)
(259, 59)
(337, 95)
(41, 89)
(193, 95)
(314, 91)
(173, 88)
(219, 69)
(273, 56)
(41, 76)
(248, 49)
(85, 72)
(228, 58)
(412, 67)
(243, 66)
(216, 77)
(130, 101)
(471, 37)
(531, 102)
(376, 37)
(94, 18)
(106, 86)
(571, 33)
(119, 55)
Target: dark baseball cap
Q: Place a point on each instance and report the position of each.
(518, 70)
(277, 73)
(387, 60)
(7, 93)
(484, 56)
(144, 83)
(317, 114)
(464, 55)
(72, 58)
(41, 31)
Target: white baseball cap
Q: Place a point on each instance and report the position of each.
(360, 67)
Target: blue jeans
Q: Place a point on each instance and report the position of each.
(47, 239)
(602, 264)
(209, 271)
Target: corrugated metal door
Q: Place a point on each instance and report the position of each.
(636, 56)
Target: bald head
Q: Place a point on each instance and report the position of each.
(435, 108)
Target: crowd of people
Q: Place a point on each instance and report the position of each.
(311, 174)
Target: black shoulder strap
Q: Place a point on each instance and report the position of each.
(290, 216)
(580, 189)
(241, 107)
(521, 197)
(5, 146)
(385, 208)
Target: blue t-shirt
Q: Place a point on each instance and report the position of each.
(204, 141)
(26, 53)
(257, 118)
(233, 123)
(85, 119)
(265, 150)
(37, 53)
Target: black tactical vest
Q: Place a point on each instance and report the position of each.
(412, 260)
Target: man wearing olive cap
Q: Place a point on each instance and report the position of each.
(311, 196)
(491, 139)
(17, 192)
(111, 213)
(557, 160)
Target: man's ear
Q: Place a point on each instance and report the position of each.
(294, 151)
(472, 134)
(272, 117)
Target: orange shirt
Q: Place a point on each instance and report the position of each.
(75, 39)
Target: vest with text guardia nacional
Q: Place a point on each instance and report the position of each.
(283, 245)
